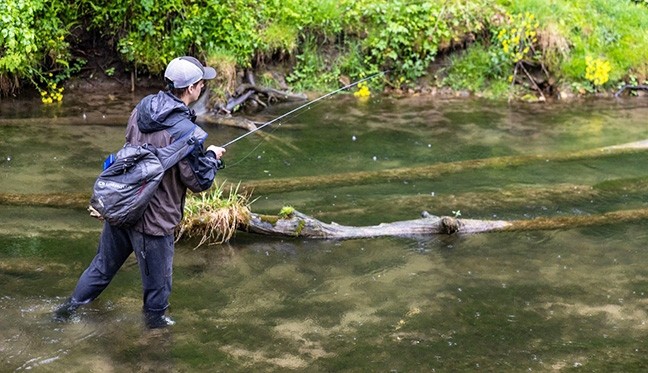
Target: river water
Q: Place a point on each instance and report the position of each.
(557, 300)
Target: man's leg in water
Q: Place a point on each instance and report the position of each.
(114, 248)
(155, 259)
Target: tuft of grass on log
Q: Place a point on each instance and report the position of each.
(214, 217)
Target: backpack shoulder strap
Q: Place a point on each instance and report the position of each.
(180, 148)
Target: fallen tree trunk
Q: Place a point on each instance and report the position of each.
(300, 225)
(303, 226)
(236, 101)
(252, 95)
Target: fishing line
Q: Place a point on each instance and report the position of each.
(259, 144)
(263, 141)
(294, 113)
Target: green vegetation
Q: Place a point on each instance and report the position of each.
(494, 47)
(214, 216)
(34, 46)
(286, 212)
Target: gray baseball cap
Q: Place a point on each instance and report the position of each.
(186, 70)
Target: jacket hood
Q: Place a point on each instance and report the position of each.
(161, 111)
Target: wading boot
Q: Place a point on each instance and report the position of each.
(65, 311)
(156, 320)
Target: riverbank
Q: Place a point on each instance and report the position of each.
(521, 50)
(98, 87)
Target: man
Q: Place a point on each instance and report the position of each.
(158, 120)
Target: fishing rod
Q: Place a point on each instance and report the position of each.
(301, 107)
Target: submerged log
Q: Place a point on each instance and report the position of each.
(62, 200)
(97, 119)
(433, 171)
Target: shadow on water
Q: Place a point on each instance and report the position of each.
(556, 300)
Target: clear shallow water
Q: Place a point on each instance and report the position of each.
(559, 300)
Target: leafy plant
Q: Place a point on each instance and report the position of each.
(286, 212)
(313, 70)
(470, 70)
(400, 38)
(405, 37)
(592, 28)
(34, 46)
(150, 33)
(516, 38)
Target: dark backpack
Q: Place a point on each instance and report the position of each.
(124, 189)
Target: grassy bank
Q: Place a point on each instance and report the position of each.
(497, 48)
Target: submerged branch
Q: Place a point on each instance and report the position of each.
(567, 222)
(81, 120)
(62, 200)
(433, 171)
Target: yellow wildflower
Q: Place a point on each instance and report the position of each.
(597, 70)
(363, 91)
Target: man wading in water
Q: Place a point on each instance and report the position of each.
(158, 120)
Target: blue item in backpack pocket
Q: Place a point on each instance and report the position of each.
(109, 160)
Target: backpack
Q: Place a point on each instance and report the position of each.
(125, 187)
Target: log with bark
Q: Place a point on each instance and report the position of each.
(304, 226)
(301, 225)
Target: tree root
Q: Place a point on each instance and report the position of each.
(628, 87)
